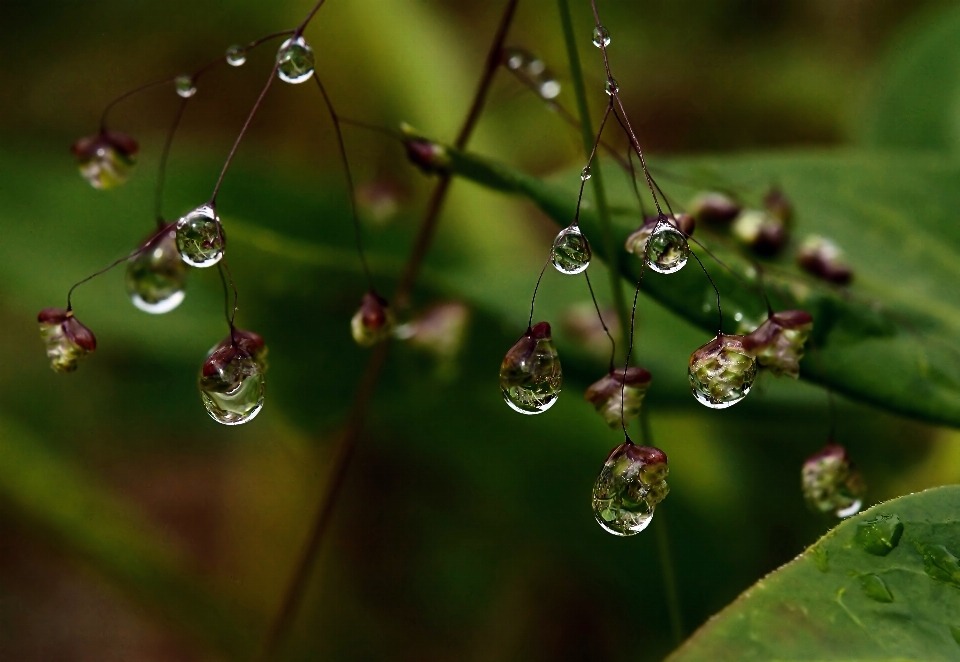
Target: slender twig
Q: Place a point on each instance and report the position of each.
(613, 343)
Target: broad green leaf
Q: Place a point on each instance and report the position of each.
(890, 339)
(849, 598)
(916, 100)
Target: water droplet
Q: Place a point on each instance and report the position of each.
(549, 88)
(535, 67)
(236, 56)
(295, 60)
(668, 251)
(516, 58)
(611, 86)
(185, 86)
(571, 251)
(586, 173)
(530, 375)
(721, 373)
(737, 316)
(629, 487)
(601, 37)
(66, 339)
(875, 588)
(831, 483)
(879, 535)
(106, 159)
(819, 555)
(200, 237)
(373, 321)
(232, 378)
(939, 563)
(157, 276)
(619, 391)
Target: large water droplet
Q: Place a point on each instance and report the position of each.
(875, 588)
(831, 483)
(236, 56)
(157, 276)
(668, 251)
(106, 159)
(200, 237)
(601, 37)
(530, 375)
(66, 339)
(939, 563)
(185, 86)
(232, 381)
(295, 60)
(879, 535)
(721, 373)
(571, 251)
(629, 487)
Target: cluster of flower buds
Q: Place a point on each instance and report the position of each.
(778, 343)
(67, 340)
(824, 259)
(722, 371)
(765, 231)
(667, 237)
(832, 483)
(373, 322)
(232, 378)
(530, 375)
(532, 71)
(631, 484)
(106, 159)
(618, 395)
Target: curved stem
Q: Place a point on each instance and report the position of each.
(162, 170)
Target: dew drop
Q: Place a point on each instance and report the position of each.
(875, 588)
(721, 373)
(571, 251)
(66, 339)
(549, 88)
(820, 557)
(601, 37)
(236, 56)
(879, 536)
(185, 86)
(516, 59)
(156, 278)
(831, 482)
(295, 60)
(232, 378)
(530, 375)
(200, 237)
(535, 67)
(939, 563)
(106, 160)
(611, 87)
(668, 251)
(586, 173)
(630, 485)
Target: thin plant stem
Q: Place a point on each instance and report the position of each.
(603, 209)
(613, 343)
(162, 169)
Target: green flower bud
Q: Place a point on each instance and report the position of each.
(832, 483)
(605, 394)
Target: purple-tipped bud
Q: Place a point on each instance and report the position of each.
(631, 484)
(67, 340)
(106, 159)
(618, 391)
(246, 342)
(763, 232)
(778, 343)
(373, 321)
(714, 208)
(824, 259)
(832, 483)
(778, 204)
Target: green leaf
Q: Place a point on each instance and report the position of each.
(839, 602)
(889, 340)
(916, 101)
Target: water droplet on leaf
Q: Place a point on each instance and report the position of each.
(819, 555)
(236, 56)
(373, 321)
(67, 340)
(721, 372)
(106, 159)
(295, 61)
(879, 535)
(601, 37)
(232, 379)
(629, 487)
(831, 483)
(875, 588)
(618, 391)
(939, 563)
(200, 237)
(185, 86)
(571, 251)
(157, 276)
(530, 375)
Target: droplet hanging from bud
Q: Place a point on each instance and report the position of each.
(721, 372)
(67, 340)
(530, 375)
(295, 60)
(157, 276)
(185, 86)
(571, 251)
(714, 208)
(631, 484)
(200, 237)
(778, 343)
(232, 378)
(373, 321)
(601, 37)
(619, 391)
(832, 483)
(106, 159)
(823, 258)
(669, 250)
(236, 56)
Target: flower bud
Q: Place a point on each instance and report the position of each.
(373, 321)
(631, 484)
(67, 340)
(232, 380)
(530, 375)
(714, 208)
(832, 483)
(106, 159)
(605, 394)
(721, 372)
(765, 233)
(778, 343)
(824, 259)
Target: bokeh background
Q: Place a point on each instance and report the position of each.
(134, 527)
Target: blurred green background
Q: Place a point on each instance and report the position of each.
(134, 527)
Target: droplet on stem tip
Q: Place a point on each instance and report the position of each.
(106, 159)
(530, 374)
(630, 485)
(721, 372)
(295, 60)
(67, 340)
(200, 237)
(157, 276)
(571, 251)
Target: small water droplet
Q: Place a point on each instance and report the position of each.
(549, 88)
(295, 61)
(668, 250)
(875, 588)
(236, 56)
(880, 535)
(939, 563)
(819, 555)
(571, 251)
(586, 173)
(157, 276)
(530, 375)
(200, 237)
(630, 485)
(516, 59)
(721, 373)
(601, 37)
(185, 86)
(611, 86)
(232, 383)
(737, 316)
